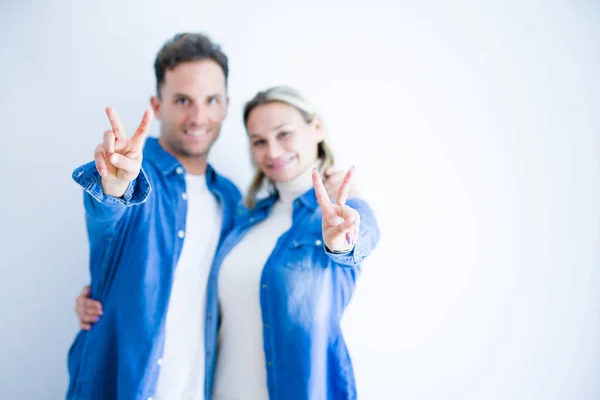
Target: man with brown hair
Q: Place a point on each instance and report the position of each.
(154, 224)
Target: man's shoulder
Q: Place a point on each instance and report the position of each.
(225, 185)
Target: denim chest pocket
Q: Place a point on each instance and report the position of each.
(304, 253)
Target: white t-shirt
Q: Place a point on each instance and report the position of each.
(182, 365)
(241, 366)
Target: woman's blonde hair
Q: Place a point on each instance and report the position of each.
(291, 97)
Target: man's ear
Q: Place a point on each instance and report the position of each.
(225, 107)
(155, 104)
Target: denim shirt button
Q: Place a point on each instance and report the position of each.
(181, 234)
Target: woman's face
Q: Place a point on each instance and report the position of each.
(282, 143)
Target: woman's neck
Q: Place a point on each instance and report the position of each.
(290, 190)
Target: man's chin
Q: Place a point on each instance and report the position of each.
(200, 153)
(196, 149)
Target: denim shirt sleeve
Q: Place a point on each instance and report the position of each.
(103, 212)
(368, 237)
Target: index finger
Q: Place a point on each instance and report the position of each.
(115, 123)
(320, 191)
(141, 132)
(85, 291)
(345, 188)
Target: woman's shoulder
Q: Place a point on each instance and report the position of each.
(244, 213)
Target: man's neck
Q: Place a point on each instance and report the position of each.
(194, 165)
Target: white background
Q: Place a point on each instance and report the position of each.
(475, 132)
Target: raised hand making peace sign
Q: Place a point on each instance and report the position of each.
(340, 221)
(119, 158)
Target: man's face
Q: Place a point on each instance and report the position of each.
(192, 105)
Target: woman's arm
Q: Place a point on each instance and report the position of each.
(349, 228)
(88, 310)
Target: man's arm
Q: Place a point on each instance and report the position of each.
(114, 181)
(103, 211)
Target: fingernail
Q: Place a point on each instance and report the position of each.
(114, 158)
(97, 319)
(348, 238)
(102, 172)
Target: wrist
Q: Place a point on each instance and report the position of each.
(114, 187)
(343, 251)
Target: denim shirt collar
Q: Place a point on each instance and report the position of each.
(308, 200)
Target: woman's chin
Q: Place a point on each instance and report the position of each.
(282, 176)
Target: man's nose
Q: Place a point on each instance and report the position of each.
(198, 115)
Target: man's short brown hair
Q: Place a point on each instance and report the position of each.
(185, 47)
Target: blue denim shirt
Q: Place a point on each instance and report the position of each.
(304, 291)
(135, 242)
